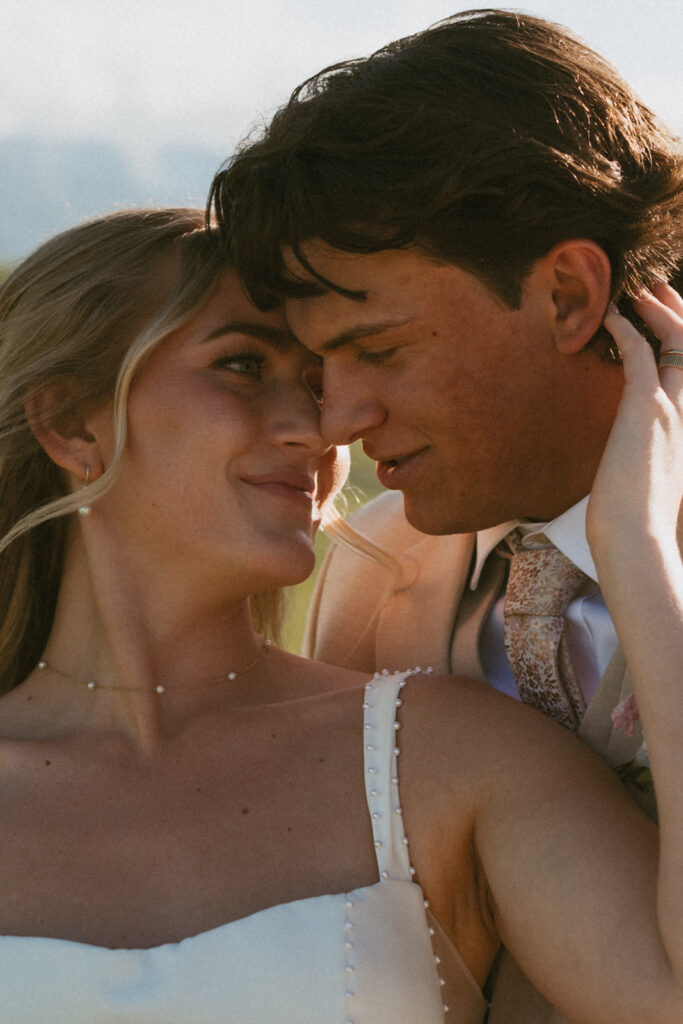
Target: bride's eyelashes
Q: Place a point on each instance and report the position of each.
(247, 364)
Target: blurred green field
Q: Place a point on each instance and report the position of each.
(360, 487)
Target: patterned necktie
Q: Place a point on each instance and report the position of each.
(541, 584)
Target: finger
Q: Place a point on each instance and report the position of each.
(662, 309)
(668, 295)
(671, 379)
(663, 313)
(638, 359)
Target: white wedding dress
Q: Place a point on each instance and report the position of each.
(371, 956)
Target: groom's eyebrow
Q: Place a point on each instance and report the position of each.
(365, 331)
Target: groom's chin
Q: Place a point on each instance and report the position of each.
(428, 517)
(437, 516)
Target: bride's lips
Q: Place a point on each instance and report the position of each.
(286, 483)
(397, 472)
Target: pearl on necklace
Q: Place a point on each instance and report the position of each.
(227, 677)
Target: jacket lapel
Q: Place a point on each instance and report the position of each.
(419, 614)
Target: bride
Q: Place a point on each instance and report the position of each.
(199, 826)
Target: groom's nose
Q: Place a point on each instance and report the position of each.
(350, 409)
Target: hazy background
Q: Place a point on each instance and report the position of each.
(127, 103)
(108, 106)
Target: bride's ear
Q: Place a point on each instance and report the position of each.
(65, 434)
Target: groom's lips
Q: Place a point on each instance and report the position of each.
(397, 473)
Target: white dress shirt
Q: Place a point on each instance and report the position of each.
(591, 637)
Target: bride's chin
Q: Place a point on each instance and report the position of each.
(306, 569)
(294, 567)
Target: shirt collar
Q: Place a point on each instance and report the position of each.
(567, 533)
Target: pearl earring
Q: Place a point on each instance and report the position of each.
(85, 510)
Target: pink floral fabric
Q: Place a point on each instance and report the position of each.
(541, 585)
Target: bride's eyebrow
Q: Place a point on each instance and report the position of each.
(279, 337)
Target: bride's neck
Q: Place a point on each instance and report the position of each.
(131, 633)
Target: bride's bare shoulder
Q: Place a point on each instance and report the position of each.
(453, 724)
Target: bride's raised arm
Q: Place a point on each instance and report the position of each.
(634, 528)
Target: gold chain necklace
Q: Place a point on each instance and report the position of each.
(227, 677)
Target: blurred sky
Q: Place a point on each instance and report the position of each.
(147, 73)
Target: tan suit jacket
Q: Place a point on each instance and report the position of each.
(365, 617)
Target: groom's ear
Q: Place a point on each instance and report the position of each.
(61, 429)
(577, 276)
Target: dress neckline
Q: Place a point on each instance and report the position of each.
(394, 902)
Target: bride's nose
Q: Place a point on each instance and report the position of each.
(296, 419)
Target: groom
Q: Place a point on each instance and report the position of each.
(448, 221)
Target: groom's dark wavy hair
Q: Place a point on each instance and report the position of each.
(483, 141)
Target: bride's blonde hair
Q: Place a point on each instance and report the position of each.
(86, 308)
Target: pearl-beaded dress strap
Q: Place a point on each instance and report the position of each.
(382, 748)
(381, 734)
